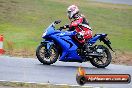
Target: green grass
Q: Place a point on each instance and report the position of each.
(23, 21)
(6, 84)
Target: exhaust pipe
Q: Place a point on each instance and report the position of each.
(95, 55)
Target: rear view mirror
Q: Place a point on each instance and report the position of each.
(57, 21)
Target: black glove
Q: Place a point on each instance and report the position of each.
(67, 26)
(64, 27)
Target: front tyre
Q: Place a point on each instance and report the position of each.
(104, 61)
(47, 56)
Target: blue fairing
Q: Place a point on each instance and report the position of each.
(65, 41)
(95, 38)
(68, 46)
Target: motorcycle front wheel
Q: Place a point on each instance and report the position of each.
(47, 56)
(104, 61)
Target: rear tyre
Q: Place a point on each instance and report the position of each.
(102, 62)
(47, 56)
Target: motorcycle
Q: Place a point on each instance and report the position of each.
(60, 45)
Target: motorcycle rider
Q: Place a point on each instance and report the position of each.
(80, 24)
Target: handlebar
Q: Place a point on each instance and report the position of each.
(60, 29)
(57, 22)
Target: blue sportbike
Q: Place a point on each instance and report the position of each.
(59, 45)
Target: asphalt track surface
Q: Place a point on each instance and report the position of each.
(31, 70)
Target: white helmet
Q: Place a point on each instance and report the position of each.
(72, 10)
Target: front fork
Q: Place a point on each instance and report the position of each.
(48, 45)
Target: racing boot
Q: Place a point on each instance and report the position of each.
(86, 47)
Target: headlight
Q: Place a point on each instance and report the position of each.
(44, 33)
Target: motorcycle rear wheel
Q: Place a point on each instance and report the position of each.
(47, 56)
(107, 56)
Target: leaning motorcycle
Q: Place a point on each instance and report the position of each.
(60, 45)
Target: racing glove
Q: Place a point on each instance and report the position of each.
(65, 26)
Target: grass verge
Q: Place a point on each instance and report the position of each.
(38, 85)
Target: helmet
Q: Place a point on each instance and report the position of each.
(72, 10)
